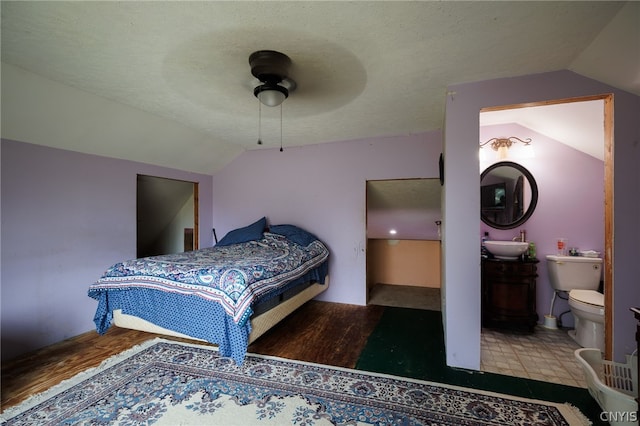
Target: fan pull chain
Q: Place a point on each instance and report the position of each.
(281, 128)
(259, 123)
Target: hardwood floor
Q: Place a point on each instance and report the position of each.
(321, 332)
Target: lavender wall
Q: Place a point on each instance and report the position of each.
(570, 204)
(66, 217)
(461, 236)
(410, 224)
(321, 188)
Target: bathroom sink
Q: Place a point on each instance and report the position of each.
(506, 249)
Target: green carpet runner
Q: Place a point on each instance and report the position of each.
(410, 343)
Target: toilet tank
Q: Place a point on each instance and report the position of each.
(574, 272)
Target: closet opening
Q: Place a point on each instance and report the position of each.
(167, 216)
(403, 219)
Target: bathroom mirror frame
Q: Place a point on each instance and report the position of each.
(514, 197)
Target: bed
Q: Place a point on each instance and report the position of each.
(228, 294)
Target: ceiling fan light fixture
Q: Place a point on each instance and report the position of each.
(271, 94)
(271, 68)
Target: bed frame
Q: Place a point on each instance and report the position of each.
(259, 324)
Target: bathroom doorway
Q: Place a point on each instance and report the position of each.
(540, 230)
(167, 216)
(403, 243)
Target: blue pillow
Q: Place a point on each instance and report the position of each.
(295, 234)
(251, 232)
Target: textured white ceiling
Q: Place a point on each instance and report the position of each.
(409, 206)
(403, 194)
(577, 124)
(363, 69)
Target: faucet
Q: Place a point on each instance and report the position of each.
(522, 237)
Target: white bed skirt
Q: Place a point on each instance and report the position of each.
(259, 325)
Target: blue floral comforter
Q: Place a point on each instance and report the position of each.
(207, 293)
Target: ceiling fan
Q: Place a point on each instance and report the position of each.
(271, 68)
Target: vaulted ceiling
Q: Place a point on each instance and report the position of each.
(363, 69)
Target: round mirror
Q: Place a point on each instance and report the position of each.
(508, 195)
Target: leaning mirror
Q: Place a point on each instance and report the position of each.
(508, 195)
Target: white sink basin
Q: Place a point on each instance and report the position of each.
(506, 249)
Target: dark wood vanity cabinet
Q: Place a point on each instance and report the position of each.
(509, 293)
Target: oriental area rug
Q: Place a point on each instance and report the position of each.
(163, 382)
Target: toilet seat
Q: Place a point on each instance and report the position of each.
(587, 300)
(590, 297)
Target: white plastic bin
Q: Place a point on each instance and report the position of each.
(613, 385)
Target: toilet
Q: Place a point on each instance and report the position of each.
(580, 278)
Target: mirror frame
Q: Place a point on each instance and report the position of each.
(534, 195)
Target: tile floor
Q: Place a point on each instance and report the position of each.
(545, 355)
